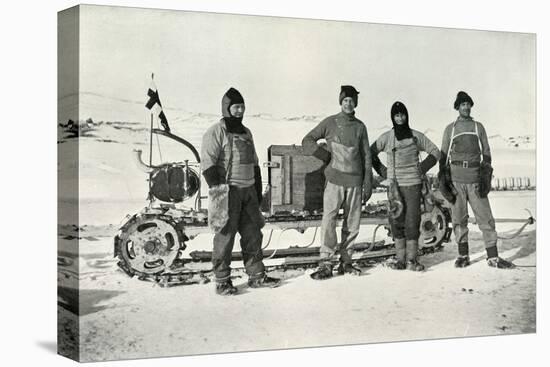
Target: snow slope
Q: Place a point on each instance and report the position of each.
(127, 318)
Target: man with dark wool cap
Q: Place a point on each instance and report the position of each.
(228, 157)
(465, 151)
(349, 180)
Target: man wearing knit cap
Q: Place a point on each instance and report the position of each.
(465, 150)
(349, 180)
(228, 157)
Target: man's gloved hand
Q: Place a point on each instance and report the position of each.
(445, 184)
(322, 154)
(427, 163)
(212, 176)
(485, 177)
(379, 166)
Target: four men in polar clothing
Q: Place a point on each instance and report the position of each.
(230, 166)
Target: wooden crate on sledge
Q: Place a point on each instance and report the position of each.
(296, 180)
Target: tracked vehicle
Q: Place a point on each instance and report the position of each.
(150, 244)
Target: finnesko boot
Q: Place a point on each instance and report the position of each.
(264, 281)
(225, 288)
(324, 271)
(462, 261)
(500, 263)
(412, 254)
(348, 268)
(399, 254)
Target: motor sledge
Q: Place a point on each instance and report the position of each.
(150, 244)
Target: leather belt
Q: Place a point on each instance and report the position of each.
(466, 164)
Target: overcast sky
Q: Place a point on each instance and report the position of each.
(294, 67)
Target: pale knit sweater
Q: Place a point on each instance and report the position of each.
(406, 167)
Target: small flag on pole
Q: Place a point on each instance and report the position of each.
(154, 104)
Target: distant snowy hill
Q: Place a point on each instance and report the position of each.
(524, 142)
(120, 112)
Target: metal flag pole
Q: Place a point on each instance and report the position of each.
(150, 197)
(151, 149)
(151, 142)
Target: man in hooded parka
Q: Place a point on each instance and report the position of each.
(228, 157)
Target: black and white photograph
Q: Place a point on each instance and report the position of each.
(264, 177)
(299, 184)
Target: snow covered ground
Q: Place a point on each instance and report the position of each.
(127, 318)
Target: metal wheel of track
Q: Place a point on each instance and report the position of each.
(433, 228)
(148, 244)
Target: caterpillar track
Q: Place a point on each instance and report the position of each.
(150, 244)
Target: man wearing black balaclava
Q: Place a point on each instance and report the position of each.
(465, 151)
(230, 167)
(402, 146)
